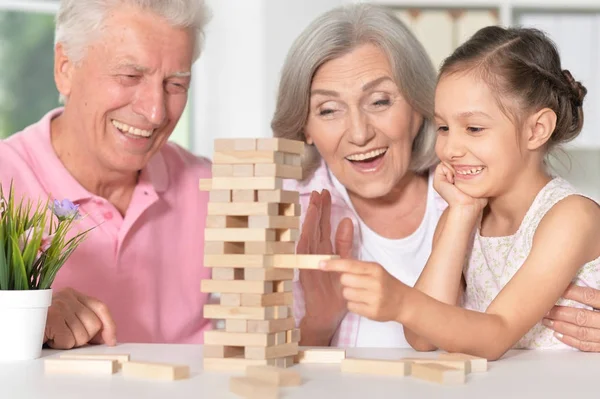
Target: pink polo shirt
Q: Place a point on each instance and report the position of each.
(146, 266)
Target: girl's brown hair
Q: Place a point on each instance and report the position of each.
(523, 65)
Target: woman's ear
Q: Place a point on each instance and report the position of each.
(540, 127)
(309, 139)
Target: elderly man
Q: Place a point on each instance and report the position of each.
(123, 70)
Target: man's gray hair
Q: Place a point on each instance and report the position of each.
(336, 33)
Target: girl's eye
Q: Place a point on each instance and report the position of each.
(475, 129)
(442, 128)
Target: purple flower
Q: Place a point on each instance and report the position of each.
(65, 210)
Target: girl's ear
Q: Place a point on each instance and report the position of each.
(539, 128)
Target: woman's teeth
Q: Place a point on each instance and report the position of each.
(472, 171)
(131, 130)
(367, 155)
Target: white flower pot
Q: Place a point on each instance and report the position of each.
(22, 323)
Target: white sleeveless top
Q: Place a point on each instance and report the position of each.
(493, 261)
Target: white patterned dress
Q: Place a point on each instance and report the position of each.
(495, 260)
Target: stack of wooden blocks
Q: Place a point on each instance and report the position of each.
(250, 239)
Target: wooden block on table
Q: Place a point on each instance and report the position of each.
(270, 326)
(219, 196)
(233, 363)
(221, 351)
(478, 364)
(219, 337)
(235, 144)
(120, 358)
(271, 352)
(238, 326)
(236, 287)
(224, 248)
(245, 196)
(270, 274)
(283, 145)
(238, 260)
(274, 299)
(318, 355)
(205, 184)
(232, 299)
(243, 235)
(155, 371)
(459, 364)
(278, 196)
(274, 375)
(248, 157)
(284, 362)
(227, 274)
(297, 261)
(292, 335)
(378, 367)
(437, 373)
(81, 366)
(241, 312)
(251, 388)
(270, 248)
(244, 209)
(223, 222)
(283, 171)
(247, 183)
(273, 222)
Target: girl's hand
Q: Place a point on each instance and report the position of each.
(368, 288)
(444, 184)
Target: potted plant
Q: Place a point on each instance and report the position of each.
(35, 242)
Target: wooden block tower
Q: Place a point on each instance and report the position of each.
(250, 239)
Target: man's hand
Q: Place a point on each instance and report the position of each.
(579, 328)
(75, 319)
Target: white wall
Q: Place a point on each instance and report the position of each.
(236, 78)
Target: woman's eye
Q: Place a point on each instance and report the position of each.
(325, 112)
(380, 103)
(442, 128)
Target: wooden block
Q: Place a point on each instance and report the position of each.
(320, 355)
(244, 209)
(239, 312)
(437, 373)
(155, 371)
(270, 248)
(283, 286)
(282, 312)
(232, 299)
(236, 287)
(268, 274)
(244, 170)
(224, 248)
(286, 235)
(459, 364)
(292, 335)
(283, 171)
(478, 364)
(283, 145)
(270, 326)
(271, 352)
(252, 388)
(378, 367)
(274, 375)
(280, 340)
(221, 351)
(248, 157)
(274, 222)
(233, 363)
(278, 196)
(219, 337)
(238, 260)
(227, 274)
(243, 235)
(81, 366)
(300, 261)
(235, 144)
(292, 159)
(120, 358)
(245, 196)
(219, 196)
(274, 299)
(289, 209)
(222, 170)
(223, 222)
(239, 326)
(284, 362)
(205, 184)
(247, 183)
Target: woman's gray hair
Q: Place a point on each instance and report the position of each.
(336, 33)
(79, 22)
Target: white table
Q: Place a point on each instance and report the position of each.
(522, 374)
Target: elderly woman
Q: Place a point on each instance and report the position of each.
(358, 88)
(123, 69)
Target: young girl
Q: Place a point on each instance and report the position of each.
(513, 237)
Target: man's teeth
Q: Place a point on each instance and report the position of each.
(366, 155)
(470, 171)
(131, 130)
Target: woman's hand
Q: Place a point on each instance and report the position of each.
(444, 184)
(325, 305)
(368, 288)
